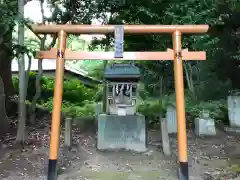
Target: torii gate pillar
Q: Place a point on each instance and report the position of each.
(180, 106)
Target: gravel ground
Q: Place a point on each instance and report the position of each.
(209, 158)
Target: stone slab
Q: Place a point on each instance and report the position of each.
(68, 132)
(232, 130)
(122, 132)
(205, 127)
(171, 120)
(234, 111)
(165, 137)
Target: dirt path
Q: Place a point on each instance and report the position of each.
(124, 165)
(209, 158)
(84, 162)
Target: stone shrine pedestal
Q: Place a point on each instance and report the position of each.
(233, 114)
(122, 132)
(205, 127)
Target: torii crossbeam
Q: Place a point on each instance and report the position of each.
(154, 56)
(177, 54)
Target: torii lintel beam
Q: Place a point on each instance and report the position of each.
(128, 29)
(82, 55)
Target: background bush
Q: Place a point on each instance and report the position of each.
(79, 100)
(155, 108)
(73, 110)
(73, 89)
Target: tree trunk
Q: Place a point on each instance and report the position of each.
(37, 94)
(189, 77)
(22, 80)
(5, 64)
(39, 75)
(22, 106)
(3, 115)
(6, 57)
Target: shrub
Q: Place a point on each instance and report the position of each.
(99, 93)
(15, 83)
(218, 110)
(73, 90)
(76, 92)
(78, 111)
(31, 90)
(73, 110)
(143, 93)
(153, 109)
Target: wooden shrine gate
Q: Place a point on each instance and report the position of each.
(177, 54)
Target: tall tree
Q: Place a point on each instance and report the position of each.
(22, 80)
(7, 23)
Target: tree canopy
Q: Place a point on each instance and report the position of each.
(221, 67)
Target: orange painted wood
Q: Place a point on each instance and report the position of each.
(83, 55)
(128, 29)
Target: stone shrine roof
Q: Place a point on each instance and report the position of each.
(119, 71)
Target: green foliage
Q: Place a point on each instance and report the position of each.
(153, 109)
(212, 79)
(212, 89)
(73, 90)
(73, 110)
(15, 82)
(143, 93)
(96, 70)
(77, 99)
(217, 109)
(99, 93)
(8, 14)
(219, 71)
(76, 92)
(88, 109)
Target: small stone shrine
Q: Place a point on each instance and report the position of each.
(122, 127)
(205, 125)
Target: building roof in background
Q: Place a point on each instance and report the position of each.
(49, 65)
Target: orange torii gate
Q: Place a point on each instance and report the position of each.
(177, 54)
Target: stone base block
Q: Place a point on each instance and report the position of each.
(232, 129)
(205, 127)
(122, 132)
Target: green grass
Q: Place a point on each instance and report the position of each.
(235, 168)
